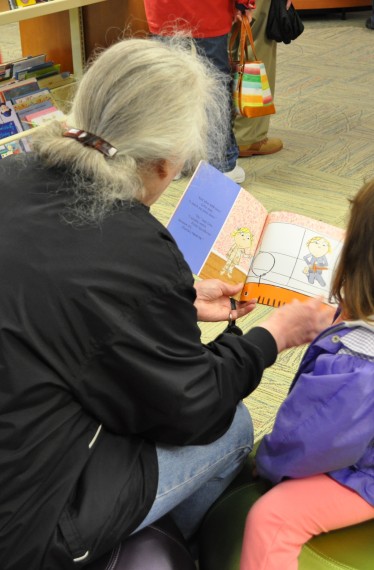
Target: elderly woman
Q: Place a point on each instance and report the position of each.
(112, 411)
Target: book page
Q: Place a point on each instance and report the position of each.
(295, 260)
(217, 225)
(232, 252)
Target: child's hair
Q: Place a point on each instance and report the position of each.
(353, 281)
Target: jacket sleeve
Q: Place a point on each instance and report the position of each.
(325, 423)
(154, 378)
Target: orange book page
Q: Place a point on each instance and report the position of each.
(294, 260)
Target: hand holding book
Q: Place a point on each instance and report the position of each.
(213, 301)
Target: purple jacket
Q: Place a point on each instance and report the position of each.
(326, 424)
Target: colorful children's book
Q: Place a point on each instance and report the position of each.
(17, 88)
(26, 63)
(43, 106)
(41, 117)
(10, 124)
(226, 233)
(23, 3)
(58, 80)
(34, 98)
(14, 147)
(6, 70)
(46, 69)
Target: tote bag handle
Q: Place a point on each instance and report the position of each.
(244, 27)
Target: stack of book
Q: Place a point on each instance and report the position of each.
(26, 98)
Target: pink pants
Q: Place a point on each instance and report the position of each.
(291, 513)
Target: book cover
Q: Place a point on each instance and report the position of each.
(44, 105)
(24, 3)
(41, 117)
(58, 80)
(13, 147)
(6, 67)
(17, 89)
(27, 63)
(38, 96)
(6, 71)
(10, 124)
(45, 70)
(226, 233)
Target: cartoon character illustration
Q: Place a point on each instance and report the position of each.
(316, 259)
(243, 239)
(5, 111)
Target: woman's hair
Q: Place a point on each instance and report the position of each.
(353, 281)
(151, 100)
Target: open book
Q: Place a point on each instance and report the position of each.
(224, 232)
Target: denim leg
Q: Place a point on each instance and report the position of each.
(216, 50)
(191, 478)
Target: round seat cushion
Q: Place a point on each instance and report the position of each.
(221, 533)
(159, 546)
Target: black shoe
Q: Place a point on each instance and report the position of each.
(369, 24)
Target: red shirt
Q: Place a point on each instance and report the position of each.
(203, 18)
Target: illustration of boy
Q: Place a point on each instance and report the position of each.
(316, 259)
(241, 247)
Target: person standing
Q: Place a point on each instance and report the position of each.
(210, 22)
(252, 134)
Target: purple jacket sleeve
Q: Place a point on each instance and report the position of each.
(325, 423)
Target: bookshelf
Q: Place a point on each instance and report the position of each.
(57, 22)
(68, 30)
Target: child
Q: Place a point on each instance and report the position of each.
(321, 450)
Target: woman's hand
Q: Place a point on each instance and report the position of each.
(244, 8)
(239, 15)
(213, 301)
(297, 323)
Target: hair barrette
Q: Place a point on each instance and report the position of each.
(93, 141)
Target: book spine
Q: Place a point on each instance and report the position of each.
(12, 4)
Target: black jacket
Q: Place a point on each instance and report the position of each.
(100, 357)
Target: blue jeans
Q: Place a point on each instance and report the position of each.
(191, 478)
(216, 50)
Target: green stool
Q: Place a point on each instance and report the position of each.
(220, 536)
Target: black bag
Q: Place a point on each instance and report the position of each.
(283, 25)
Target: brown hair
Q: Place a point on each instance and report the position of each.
(353, 282)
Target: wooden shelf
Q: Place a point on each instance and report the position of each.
(68, 31)
(330, 4)
(54, 28)
(52, 7)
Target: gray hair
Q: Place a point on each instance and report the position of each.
(152, 101)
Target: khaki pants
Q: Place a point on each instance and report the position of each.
(249, 131)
